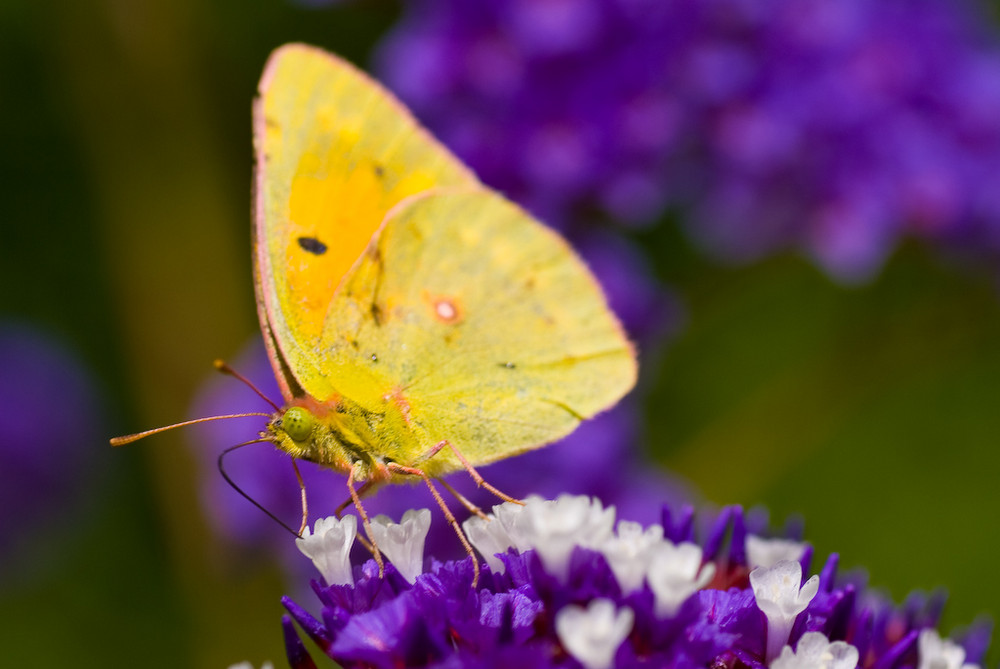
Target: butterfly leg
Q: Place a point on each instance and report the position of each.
(463, 500)
(376, 553)
(305, 507)
(413, 471)
(339, 511)
(362, 491)
(476, 476)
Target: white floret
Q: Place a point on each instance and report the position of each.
(769, 552)
(555, 527)
(937, 653)
(675, 573)
(592, 635)
(815, 651)
(781, 596)
(329, 547)
(403, 542)
(629, 553)
(489, 537)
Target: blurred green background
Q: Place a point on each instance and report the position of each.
(870, 411)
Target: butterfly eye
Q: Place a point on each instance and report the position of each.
(298, 423)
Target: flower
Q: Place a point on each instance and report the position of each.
(329, 547)
(938, 653)
(825, 125)
(629, 552)
(676, 572)
(769, 552)
(555, 527)
(593, 633)
(403, 542)
(815, 651)
(51, 419)
(536, 613)
(781, 596)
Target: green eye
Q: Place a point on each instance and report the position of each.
(298, 423)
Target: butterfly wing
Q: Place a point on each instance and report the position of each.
(334, 152)
(478, 325)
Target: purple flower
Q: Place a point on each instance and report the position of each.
(560, 104)
(50, 430)
(554, 104)
(599, 458)
(831, 126)
(543, 606)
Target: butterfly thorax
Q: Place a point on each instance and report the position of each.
(337, 434)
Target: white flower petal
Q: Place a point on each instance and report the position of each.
(815, 651)
(489, 537)
(937, 653)
(769, 552)
(329, 547)
(592, 635)
(509, 515)
(554, 527)
(403, 542)
(779, 595)
(675, 573)
(629, 553)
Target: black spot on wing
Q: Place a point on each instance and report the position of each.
(312, 245)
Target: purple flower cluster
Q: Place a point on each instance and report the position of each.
(833, 126)
(564, 589)
(51, 421)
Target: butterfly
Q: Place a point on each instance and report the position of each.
(418, 322)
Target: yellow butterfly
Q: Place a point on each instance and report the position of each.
(418, 322)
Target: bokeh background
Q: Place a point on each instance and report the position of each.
(805, 213)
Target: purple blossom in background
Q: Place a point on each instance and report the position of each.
(563, 587)
(50, 433)
(598, 458)
(832, 126)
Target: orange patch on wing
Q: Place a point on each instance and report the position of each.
(341, 211)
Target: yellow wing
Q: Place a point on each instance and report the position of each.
(334, 152)
(478, 325)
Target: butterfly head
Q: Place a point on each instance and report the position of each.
(307, 431)
(295, 430)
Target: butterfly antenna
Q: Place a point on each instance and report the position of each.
(226, 369)
(222, 470)
(129, 438)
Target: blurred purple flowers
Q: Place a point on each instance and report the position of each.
(568, 589)
(50, 433)
(832, 126)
